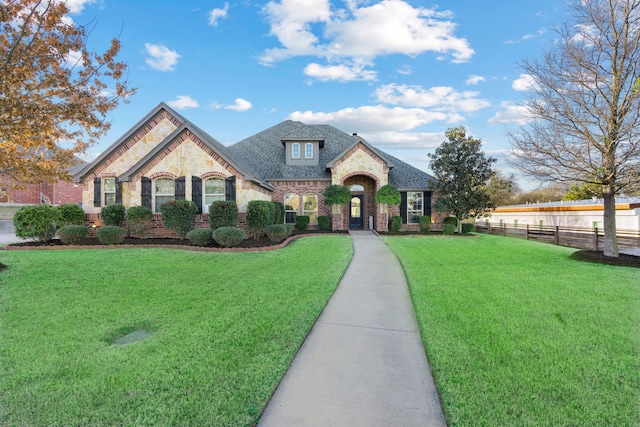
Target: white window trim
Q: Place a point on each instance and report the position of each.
(306, 212)
(308, 150)
(155, 193)
(295, 147)
(105, 192)
(410, 209)
(205, 205)
(290, 210)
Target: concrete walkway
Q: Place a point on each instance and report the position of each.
(363, 364)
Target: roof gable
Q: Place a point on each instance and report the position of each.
(346, 153)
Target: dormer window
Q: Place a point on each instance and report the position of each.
(308, 150)
(295, 150)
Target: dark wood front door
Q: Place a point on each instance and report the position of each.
(356, 213)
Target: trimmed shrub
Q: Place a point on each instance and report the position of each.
(139, 221)
(37, 222)
(290, 228)
(223, 214)
(396, 224)
(72, 234)
(324, 223)
(277, 232)
(278, 213)
(451, 220)
(112, 215)
(111, 235)
(259, 216)
(178, 215)
(228, 237)
(449, 229)
(336, 195)
(467, 227)
(70, 214)
(302, 222)
(200, 236)
(388, 194)
(425, 224)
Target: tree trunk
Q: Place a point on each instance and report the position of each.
(609, 223)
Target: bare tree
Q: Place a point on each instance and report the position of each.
(584, 110)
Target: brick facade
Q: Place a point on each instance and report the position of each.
(56, 193)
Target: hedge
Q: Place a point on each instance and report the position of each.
(396, 224)
(72, 234)
(70, 214)
(111, 235)
(223, 214)
(425, 224)
(259, 216)
(37, 222)
(324, 223)
(179, 215)
(200, 236)
(139, 221)
(277, 232)
(228, 236)
(302, 222)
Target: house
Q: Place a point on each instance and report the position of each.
(165, 157)
(582, 214)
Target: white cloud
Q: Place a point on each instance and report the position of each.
(524, 83)
(440, 98)
(511, 114)
(76, 6)
(342, 73)
(360, 34)
(216, 14)
(240, 104)
(474, 80)
(160, 57)
(182, 102)
(405, 70)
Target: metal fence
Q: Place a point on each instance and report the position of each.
(582, 238)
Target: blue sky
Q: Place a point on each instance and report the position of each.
(399, 73)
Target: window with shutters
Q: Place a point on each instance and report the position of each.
(291, 206)
(164, 190)
(213, 192)
(414, 207)
(109, 189)
(310, 207)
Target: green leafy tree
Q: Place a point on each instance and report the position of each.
(502, 190)
(584, 106)
(388, 194)
(337, 195)
(462, 170)
(583, 191)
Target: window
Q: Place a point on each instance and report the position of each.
(310, 207)
(165, 191)
(414, 207)
(291, 205)
(356, 187)
(295, 150)
(542, 223)
(213, 192)
(109, 191)
(596, 225)
(308, 151)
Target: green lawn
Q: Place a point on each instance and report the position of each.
(519, 334)
(226, 326)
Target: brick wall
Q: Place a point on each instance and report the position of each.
(57, 193)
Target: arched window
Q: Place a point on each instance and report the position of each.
(291, 206)
(356, 187)
(310, 207)
(164, 191)
(213, 192)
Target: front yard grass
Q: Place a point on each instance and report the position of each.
(519, 334)
(226, 327)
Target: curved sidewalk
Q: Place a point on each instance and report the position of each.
(363, 363)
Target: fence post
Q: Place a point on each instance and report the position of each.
(557, 235)
(527, 235)
(595, 239)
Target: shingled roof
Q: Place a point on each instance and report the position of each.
(264, 154)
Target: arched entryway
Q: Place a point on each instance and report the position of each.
(362, 205)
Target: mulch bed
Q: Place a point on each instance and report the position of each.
(623, 260)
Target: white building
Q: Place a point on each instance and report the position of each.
(569, 214)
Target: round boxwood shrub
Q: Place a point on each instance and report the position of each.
(388, 194)
(37, 222)
(259, 216)
(70, 214)
(396, 224)
(324, 223)
(425, 224)
(277, 232)
(467, 227)
(139, 221)
(223, 214)
(200, 236)
(448, 229)
(72, 234)
(178, 215)
(228, 237)
(113, 215)
(302, 222)
(111, 235)
(451, 220)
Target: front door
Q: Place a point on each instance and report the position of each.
(356, 213)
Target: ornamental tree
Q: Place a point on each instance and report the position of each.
(462, 171)
(55, 92)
